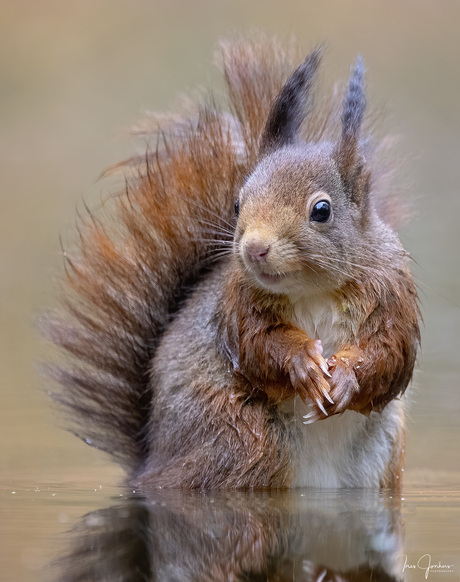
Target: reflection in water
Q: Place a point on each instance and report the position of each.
(185, 536)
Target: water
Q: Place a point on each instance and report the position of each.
(116, 534)
(73, 77)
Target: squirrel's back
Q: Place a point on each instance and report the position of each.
(166, 230)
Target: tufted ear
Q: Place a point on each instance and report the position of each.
(350, 161)
(290, 107)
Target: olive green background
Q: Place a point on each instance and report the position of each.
(75, 76)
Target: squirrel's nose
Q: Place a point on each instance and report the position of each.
(257, 250)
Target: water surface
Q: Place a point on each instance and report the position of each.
(113, 533)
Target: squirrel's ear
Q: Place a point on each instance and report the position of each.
(289, 108)
(349, 159)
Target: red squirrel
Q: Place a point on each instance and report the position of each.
(245, 316)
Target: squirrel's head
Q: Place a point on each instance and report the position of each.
(304, 209)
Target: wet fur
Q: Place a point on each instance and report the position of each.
(209, 391)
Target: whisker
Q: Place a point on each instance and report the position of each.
(214, 240)
(212, 213)
(323, 264)
(326, 262)
(213, 234)
(310, 267)
(216, 226)
(213, 258)
(217, 233)
(219, 253)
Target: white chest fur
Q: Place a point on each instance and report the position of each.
(322, 317)
(344, 450)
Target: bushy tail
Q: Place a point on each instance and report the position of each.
(125, 279)
(123, 283)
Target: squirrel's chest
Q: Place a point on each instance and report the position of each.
(323, 318)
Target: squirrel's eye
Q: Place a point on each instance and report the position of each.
(321, 211)
(237, 207)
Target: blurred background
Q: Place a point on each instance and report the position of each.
(75, 76)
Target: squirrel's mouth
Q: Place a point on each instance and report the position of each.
(278, 282)
(269, 278)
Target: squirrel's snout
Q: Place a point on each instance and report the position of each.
(256, 250)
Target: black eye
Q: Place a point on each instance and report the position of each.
(237, 207)
(321, 211)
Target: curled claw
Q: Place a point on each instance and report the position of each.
(326, 395)
(320, 390)
(324, 368)
(310, 414)
(311, 417)
(319, 404)
(308, 373)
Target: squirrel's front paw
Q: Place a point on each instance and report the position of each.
(307, 371)
(343, 387)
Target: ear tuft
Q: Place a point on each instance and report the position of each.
(290, 106)
(354, 104)
(347, 152)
